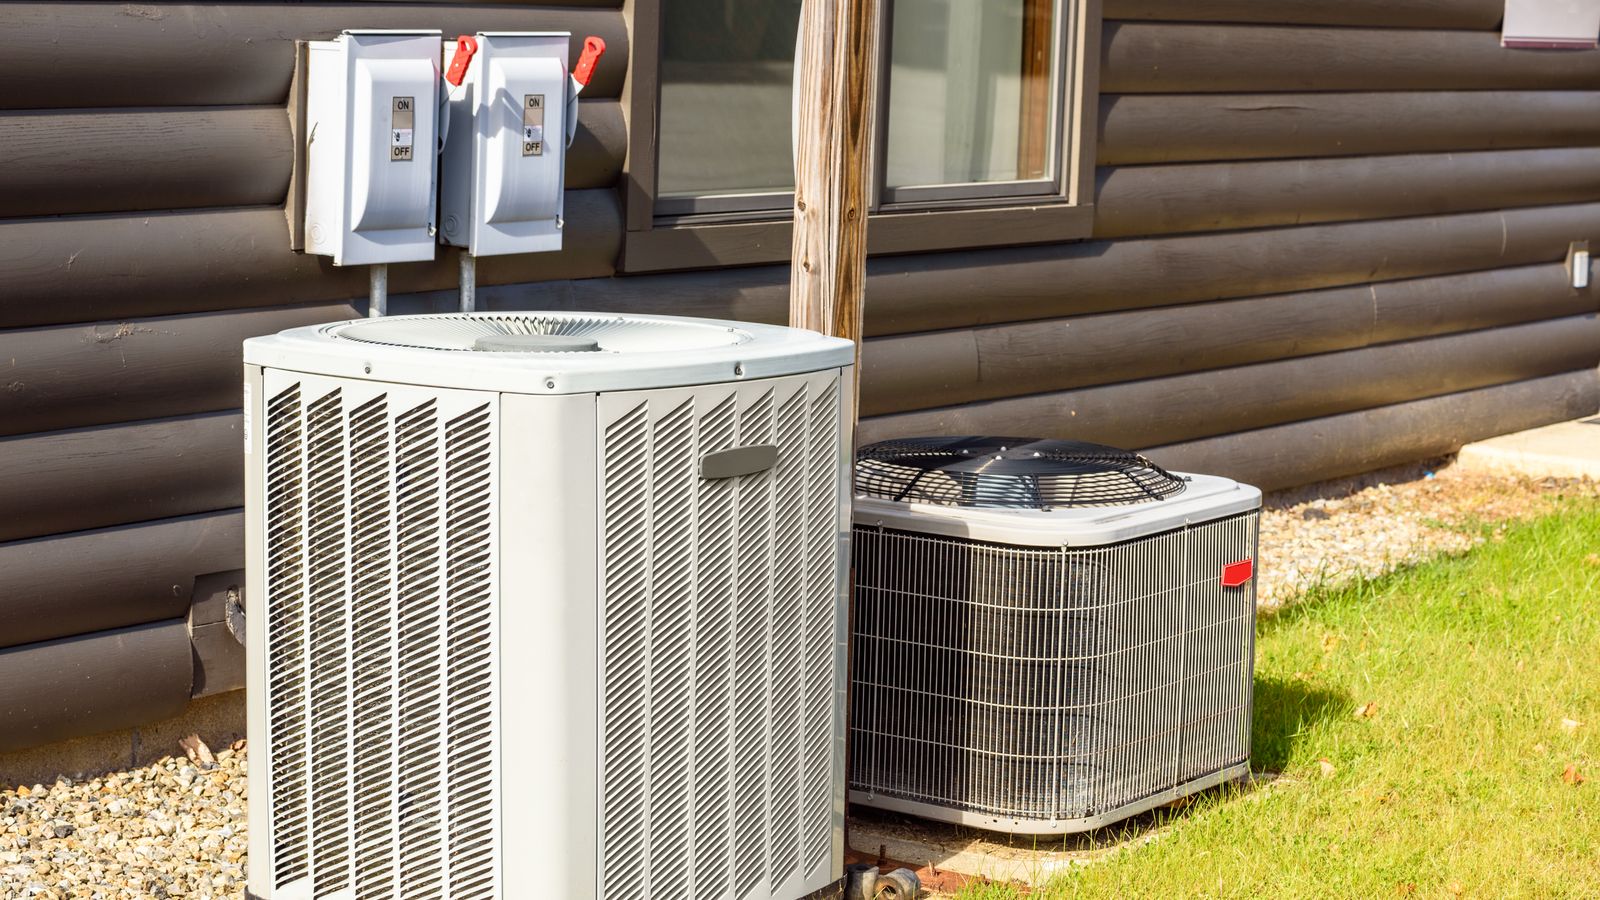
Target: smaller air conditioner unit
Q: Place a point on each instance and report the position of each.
(1049, 636)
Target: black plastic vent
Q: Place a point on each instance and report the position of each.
(1012, 473)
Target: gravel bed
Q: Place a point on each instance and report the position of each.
(1371, 524)
(176, 828)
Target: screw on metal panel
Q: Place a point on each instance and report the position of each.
(550, 383)
(738, 369)
(367, 368)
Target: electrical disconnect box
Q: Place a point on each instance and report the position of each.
(372, 101)
(512, 111)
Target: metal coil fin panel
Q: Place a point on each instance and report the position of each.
(1025, 685)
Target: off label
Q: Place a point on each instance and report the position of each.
(402, 125)
(532, 124)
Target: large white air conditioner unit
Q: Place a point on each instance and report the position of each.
(546, 605)
(1050, 636)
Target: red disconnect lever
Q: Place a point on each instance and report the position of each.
(593, 49)
(1237, 574)
(466, 46)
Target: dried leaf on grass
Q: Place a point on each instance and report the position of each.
(1327, 768)
(1570, 725)
(1456, 888)
(1367, 710)
(1572, 776)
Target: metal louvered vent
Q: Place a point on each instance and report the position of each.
(582, 332)
(1013, 473)
(720, 627)
(381, 676)
(1049, 689)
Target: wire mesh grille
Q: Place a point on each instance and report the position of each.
(381, 633)
(720, 613)
(1017, 473)
(1049, 685)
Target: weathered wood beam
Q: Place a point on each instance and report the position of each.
(1083, 351)
(58, 55)
(834, 78)
(94, 683)
(1137, 129)
(69, 584)
(958, 290)
(58, 269)
(1163, 58)
(64, 481)
(961, 290)
(72, 376)
(1187, 407)
(1437, 14)
(1158, 200)
(1315, 450)
(61, 162)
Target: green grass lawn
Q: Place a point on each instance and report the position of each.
(1454, 784)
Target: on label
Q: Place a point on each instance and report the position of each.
(402, 124)
(532, 124)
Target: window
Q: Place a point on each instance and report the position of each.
(979, 109)
(727, 72)
(970, 93)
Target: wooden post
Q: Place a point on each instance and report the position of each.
(834, 74)
(838, 56)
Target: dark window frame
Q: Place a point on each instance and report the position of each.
(655, 243)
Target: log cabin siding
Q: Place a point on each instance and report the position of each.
(1328, 237)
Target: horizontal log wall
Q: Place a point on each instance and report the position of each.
(97, 161)
(1439, 14)
(964, 290)
(1144, 200)
(118, 576)
(1168, 58)
(86, 478)
(68, 376)
(59, 269)
(1329, 236)
(104, 681)
(95, 55)
(1160, 128)
(1202, 404)
(999, 361)
(1318, 449)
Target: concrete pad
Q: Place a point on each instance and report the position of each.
(946, 856)
(1565, 450)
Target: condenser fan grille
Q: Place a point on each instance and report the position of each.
(576, 333)
(1010, 473)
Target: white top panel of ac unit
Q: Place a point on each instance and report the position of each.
(549, 352)
(1204, 498)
